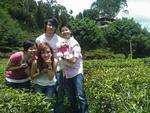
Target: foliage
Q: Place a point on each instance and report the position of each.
(10, 32)
(17, 101)
(89, 13)
(111, 86)
(118, 86)
(23, 19)
(108, 8)
(100, 54)
(87, 33)
(123, 32)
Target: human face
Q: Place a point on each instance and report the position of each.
(46, 55)
(50, 28)
(66, 33)
(32, 51)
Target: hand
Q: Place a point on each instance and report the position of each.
(24, 65)
(27, 71)
(49, 62)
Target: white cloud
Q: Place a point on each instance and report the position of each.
(138, 9)
(76, 5)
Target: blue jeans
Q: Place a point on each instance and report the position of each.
(49, 91)
(59, 107)
(24, 85)
(76, 94)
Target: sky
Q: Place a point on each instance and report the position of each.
(138, 9)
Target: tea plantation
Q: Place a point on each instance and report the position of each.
(112, 86)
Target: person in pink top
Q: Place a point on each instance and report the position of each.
(18, 66)
(73, 72)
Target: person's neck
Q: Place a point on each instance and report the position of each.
(49, 35)
(25, 56)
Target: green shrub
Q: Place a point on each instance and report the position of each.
(5, 49)
(18, 101)
(111, 86)
(117, 86)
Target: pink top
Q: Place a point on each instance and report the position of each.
(18, 74)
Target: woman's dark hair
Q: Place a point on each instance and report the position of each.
(53, 21)
(27, 44)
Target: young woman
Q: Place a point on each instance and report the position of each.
(73, 72)
(19, 65)
(50, 37)
(43, 71)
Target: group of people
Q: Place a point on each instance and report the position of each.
(39, 62)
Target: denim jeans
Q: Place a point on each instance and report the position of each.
(49, 91)
(59, 107)
(26, 85)
(76, 94)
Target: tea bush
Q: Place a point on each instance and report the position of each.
(17, 101)
(117, 86)
(111, 86)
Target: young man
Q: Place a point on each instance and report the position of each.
(50, 37)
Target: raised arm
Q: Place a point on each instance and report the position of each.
(52, 70)
(34, 69)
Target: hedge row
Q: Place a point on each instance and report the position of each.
(112, 86)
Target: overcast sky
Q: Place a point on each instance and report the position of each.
(138, 9)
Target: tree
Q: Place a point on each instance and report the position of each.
(11, 34)
(123, 32)
(89, 13)
(108, 8)
(87, 33)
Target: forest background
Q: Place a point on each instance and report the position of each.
(96, 29)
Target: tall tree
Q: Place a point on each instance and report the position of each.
(89, 13)
(108, 8)
(87, 33)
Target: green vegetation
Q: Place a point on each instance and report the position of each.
(95, 28)
(111, 85)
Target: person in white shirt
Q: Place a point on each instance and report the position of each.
(52, 38)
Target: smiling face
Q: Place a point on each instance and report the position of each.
(46, 54)
(32, 51)
(66, 33)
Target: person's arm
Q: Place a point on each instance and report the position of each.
(51, 71)
(76, 51)
(11, 66)
(34, 69)
(27, 71)
(71, 60)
